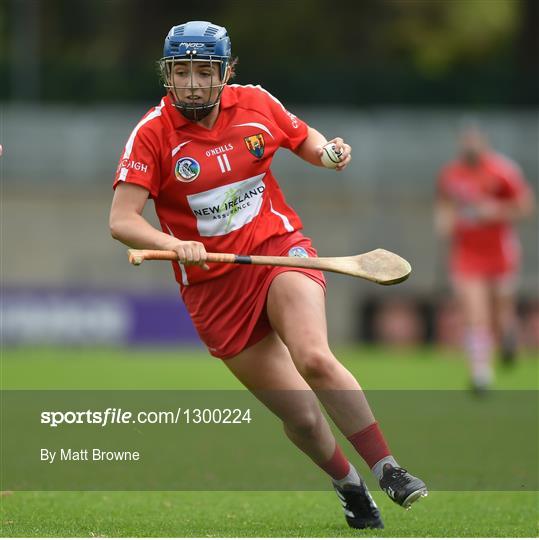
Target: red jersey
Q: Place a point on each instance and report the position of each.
(215, 185)
(478, 246)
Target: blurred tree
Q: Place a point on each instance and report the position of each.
(369, 52)
(527, 41)
(440, 35)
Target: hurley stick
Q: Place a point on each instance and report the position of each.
(380, 266)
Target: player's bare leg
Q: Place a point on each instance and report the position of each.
(473, 296)
(505, 318)
(296, 310)
(268, 371)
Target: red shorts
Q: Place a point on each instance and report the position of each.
(474, 267)
(486, 256)
(229, 312)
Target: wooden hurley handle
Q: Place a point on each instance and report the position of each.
(137, 256)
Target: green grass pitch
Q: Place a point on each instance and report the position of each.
(240, 514)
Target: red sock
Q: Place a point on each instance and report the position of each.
(370, 444)
(338, 466)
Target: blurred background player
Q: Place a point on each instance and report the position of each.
(203, 155)
(481, 194)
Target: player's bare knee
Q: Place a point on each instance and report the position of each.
(317, 365)
(304, 424)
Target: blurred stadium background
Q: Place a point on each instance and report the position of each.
(395, 78)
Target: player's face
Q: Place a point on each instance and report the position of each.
(196, 82)
(472, 144)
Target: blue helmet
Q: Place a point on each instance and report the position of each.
(196, 41)
(199, 40)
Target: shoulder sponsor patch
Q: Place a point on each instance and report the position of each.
(127, 163)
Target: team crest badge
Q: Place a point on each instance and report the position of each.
(298, 252)
(187, 169)
(255, 145)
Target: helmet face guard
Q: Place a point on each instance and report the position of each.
(193, 111)
(191, 43)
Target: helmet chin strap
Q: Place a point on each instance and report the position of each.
(194, 114)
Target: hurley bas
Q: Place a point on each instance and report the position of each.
(85, 454)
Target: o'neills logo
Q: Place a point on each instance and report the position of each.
(187, 169)
(134, 165)
(219, 150)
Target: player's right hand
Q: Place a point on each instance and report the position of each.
(490, 211)
(190, 252)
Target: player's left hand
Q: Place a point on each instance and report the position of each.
(346, 150)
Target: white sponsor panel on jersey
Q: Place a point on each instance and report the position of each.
(227, 208)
